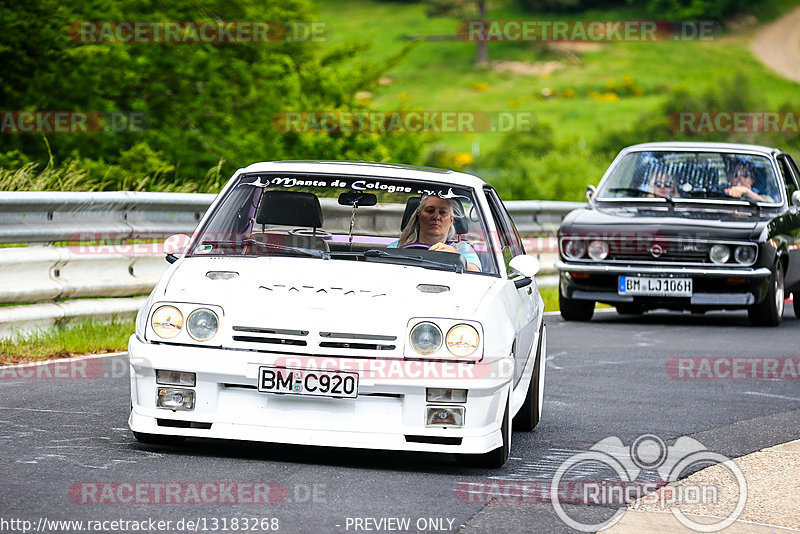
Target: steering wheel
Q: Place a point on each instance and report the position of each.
(418, 245)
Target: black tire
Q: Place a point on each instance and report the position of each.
(528, 415)
(629, 309)
(575, 310)
(157, 439)
(796, 303)
(492, 459)
(769, 311)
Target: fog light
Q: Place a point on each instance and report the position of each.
(445, 395)
(175, 378)
(175, 399)
(444, 416)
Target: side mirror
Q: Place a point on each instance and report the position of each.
(590, 191)
(796, 199)
(175, 245)
(525, 264)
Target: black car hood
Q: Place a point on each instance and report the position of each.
(710, 222)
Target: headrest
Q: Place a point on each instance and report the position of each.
(460, 224)
(289, 208)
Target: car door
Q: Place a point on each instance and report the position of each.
(790, 227)
(523, 300)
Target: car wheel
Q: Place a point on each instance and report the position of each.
(770, 311)
(492, 459)
(629, 309)
(157, 439)
(528, 416)
(575, 310)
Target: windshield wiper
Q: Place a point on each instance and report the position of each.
(380, 253)
(274, 246)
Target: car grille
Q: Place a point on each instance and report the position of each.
(663, 250)
(341, 342)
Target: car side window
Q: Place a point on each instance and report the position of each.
(508, 236)
(790, 174)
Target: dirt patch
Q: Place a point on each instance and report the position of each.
(777, 45)
(523, 68)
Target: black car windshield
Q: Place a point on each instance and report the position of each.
(332, 217)
(667, 176)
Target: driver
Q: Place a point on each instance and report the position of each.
(742, 182)
(432, 224)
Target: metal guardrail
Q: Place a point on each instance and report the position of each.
(42, 275)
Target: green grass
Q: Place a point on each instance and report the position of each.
(440, 75)
(87, 337)
(550, 297)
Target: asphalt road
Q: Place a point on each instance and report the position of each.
(66, 448)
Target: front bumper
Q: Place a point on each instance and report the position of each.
(713, 288)
(389, 412)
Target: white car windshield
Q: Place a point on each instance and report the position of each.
(333, 217)
(684, 175)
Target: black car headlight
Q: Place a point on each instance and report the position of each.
(720, 253)
(745, 254)
(573, 248)
(598, 249)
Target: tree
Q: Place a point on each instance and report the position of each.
(204, 101)
(463, 9)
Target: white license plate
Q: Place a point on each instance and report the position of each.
(310, 382)
(655, 287)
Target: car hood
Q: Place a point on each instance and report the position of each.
(296, 290)
(715, 222)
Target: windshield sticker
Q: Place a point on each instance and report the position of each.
(358, 185)
(203, 249)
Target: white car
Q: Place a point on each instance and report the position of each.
(293, 316)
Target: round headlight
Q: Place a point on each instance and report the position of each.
(720, 253)
(202, 324)
(462, 340)
(573, 248)
(167, 321)
(426, 338)
(598, 249)
(745, 254)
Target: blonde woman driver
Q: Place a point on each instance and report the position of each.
(432, 224)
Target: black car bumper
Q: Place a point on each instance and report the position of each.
(712, 288)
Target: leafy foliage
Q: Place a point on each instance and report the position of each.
(205, 102)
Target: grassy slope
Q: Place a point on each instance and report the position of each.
(440, 75)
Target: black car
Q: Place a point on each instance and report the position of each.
(686, 226)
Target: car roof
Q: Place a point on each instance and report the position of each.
(367, 168)
(703, 146)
